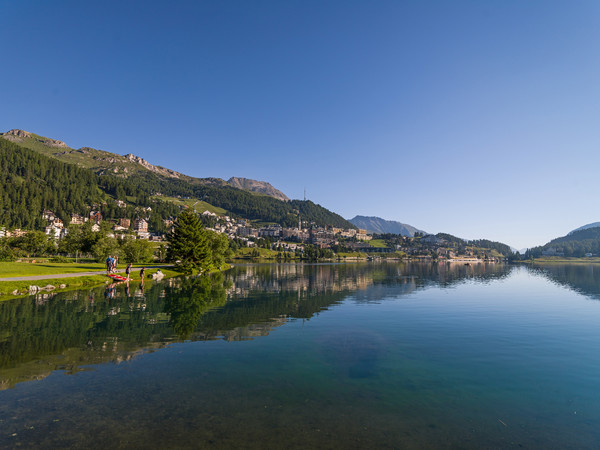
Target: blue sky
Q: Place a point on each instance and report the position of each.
(475, 118)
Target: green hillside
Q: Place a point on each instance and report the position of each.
(198, 205)
(100, 161)
(31, 182)
(103, 177)
(577, 244)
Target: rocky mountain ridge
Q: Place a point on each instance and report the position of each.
(19, 136)
(260, 187)
(103, 162)
(152, 168)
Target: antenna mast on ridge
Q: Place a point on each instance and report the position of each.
(304, 194)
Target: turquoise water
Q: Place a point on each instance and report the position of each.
(310, 356)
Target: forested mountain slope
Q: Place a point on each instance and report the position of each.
(31, 182)
(49, 175)
(576, 243)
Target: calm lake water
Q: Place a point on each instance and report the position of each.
(310, 356)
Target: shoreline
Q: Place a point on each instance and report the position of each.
(22, 286)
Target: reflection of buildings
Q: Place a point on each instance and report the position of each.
(304, 278)
(313, 279)
(95, 329)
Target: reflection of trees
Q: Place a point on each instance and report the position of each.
(262, 295)
(190, 299)
(70, 329)
(35, 327)
(258, 312)
(582, 278)
(67, 330)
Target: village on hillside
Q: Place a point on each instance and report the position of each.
(278, 238)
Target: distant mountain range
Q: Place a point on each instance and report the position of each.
(382, 226)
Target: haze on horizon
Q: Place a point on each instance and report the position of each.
(477, 119)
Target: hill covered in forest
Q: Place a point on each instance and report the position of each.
(37, 165)
(580, 242)
(585, 227)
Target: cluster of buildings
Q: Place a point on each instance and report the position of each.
(430, 245)
(284, 238)
(17, 232)
(56, 228)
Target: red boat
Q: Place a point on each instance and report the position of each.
(116, 277)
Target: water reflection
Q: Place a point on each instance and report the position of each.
(581, 278)
(188, 300)
(326, 278)
(69, 331)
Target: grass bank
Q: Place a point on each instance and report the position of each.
(26, 269)
(564, 260)
(15, 289)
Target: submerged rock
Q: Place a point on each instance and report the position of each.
(356, 354)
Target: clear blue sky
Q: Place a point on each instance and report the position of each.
(475, 118)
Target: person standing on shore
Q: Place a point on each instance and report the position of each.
(142, 272)
(128, 270)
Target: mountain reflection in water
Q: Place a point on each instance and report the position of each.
(582, 278)
(71, 330)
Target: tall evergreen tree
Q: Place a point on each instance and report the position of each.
(189, 247)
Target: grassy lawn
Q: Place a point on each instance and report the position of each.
(24, 269)
(7, 287)
(570, 260)
(13, 269)
(246, 253)
(377, 243)
(194, 203)
(343, 255)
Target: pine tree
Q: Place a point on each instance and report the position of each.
(189, 248)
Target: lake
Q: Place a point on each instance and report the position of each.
(372, 355)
